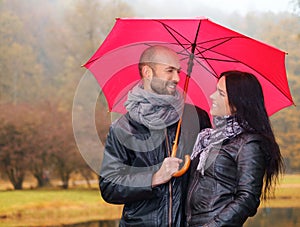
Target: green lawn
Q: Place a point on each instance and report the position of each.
(57, 207)
(287, 193)
(53, 207)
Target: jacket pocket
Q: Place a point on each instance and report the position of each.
(142, 213)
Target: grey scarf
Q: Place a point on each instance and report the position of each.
(225, 128)
(153, 110)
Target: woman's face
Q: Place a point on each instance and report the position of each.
(220, 105)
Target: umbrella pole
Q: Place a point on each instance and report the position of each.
(175, 145)
(187, 160)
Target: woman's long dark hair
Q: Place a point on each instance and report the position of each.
(246, 100)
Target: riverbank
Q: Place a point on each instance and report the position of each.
(54, 207)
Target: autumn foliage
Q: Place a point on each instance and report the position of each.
(42, 46)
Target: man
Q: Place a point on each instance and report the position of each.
(137, 168)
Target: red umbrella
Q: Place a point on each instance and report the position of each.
(213, 47)
(206, 49)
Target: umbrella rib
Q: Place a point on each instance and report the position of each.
(227, 39)
(194, 45)
(232, 60)
(170, 29)
(216, 59)
(212, 71)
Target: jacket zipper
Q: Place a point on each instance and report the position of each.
(190, 192)
(170, 183)
(170, 204)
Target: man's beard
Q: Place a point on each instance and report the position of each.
(159, 86)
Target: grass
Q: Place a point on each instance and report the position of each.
(287, 193)
(53, 207)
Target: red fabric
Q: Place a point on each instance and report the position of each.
(114, 64)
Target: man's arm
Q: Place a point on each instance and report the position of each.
(120, 182)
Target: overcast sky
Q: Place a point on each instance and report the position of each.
(244, 6)
(209, 8)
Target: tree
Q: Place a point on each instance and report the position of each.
(282, 32)
(9, 160)
(20, 76)
(85, 26)
(42, 48)
(64, 156)
(296, 6)
(15, 144)
(40, 165)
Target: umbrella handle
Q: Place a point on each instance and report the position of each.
(185, 167)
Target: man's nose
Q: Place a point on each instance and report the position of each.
(176, 76)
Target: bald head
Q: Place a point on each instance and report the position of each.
(159, 55)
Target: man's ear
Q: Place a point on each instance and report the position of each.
(147, 72)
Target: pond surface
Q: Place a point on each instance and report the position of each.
(266, 217)
(275, 217)
(105, 223)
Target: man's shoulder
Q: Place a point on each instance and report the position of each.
(125, 124)
(192, 109)
(121, 120)
(194, 116)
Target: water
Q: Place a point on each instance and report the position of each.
(105, 223)
(266, 217)
(275, 217)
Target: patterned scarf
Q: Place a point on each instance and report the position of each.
(153, 110)
(226, 127)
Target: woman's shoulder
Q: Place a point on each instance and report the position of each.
(246, 138)
(250, 137)
(251, 142)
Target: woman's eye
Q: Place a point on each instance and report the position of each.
(222, 93)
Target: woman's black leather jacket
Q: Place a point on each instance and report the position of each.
(229, 191)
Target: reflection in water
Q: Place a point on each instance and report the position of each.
(275, 217)
(105, 223)
(266, 217)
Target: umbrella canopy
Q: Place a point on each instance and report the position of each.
(205, 48)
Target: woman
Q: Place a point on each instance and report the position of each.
(238, 161)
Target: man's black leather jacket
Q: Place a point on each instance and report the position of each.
(132, 155)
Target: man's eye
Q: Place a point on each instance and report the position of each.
(174, 70)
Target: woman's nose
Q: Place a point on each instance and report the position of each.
(212, 95)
